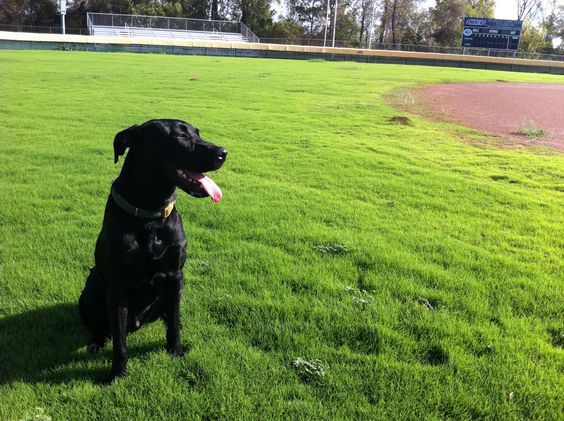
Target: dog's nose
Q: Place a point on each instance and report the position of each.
(222, 154)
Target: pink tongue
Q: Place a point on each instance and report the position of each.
(208, 185)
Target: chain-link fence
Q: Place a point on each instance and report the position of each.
(488, 52)
(43, 29)
(162, 23)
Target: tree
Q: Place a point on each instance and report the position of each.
(480, 9)
(384, 19)
(215, 9)
(533, 39)
(553, 28)
(286, 28)
(76, 13)
(417, 29)
(311, 12)
(528, 8)
(395, 19)
(28, 12)
(446, 18)
(366, 10)
(256, 14)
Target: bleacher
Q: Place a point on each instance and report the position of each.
(168, 28)
(167, 33)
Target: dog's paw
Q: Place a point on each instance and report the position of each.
(111, 377)
(176, 351)
(108, 380)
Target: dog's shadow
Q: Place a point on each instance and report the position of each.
(49, 345)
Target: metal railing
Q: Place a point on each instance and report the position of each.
(168, 23)
(488, 52)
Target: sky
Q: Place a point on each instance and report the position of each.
(504, 9)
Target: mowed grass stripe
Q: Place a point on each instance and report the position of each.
(422, 274)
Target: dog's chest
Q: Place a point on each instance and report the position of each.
(153, 252)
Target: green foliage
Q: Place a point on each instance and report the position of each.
(28, 12)
(530, 129)
(553, 27)
(286, 28)
(434, 294)
(256, 14)
(400, 22)
(311, 13)
(480, 9)
(533, 39)
(447, 19)
(347, 26)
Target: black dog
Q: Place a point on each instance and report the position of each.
(141, 249)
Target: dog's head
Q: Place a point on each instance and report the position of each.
(174, 149)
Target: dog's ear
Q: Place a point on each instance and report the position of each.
(125, 139)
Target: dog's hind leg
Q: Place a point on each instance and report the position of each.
(93, 311)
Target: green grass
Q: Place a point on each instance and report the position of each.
(530, 129)
(355, 268)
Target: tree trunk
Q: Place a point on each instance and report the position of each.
(311, 22)
(244, 12)
(362, 21)
(384, 21)
(394, 8)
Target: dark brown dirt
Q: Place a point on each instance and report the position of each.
(501, 108)
(400, 120)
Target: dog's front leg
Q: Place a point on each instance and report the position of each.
(172, 295)
(117, 309)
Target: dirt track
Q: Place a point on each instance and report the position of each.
(501, 108)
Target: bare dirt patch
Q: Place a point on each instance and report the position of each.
(400, 119)
(501, 109)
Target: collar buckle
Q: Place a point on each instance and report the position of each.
(168, 210)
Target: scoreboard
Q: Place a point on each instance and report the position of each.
(491, 33)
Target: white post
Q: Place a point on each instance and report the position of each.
(63, 9)
(371, 32)
(326, 24)
(335, 21)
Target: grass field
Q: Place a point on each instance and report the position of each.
(355, 268)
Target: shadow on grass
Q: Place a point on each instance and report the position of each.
(48, 345)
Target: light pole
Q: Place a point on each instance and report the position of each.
(371, 32)
(326, 24)
(63, 10)
(335, 21)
